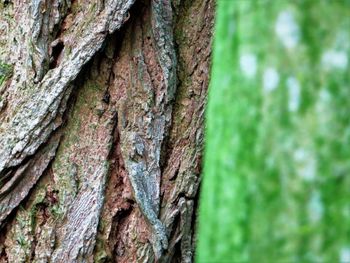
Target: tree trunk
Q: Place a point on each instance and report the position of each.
(101, 115)
(276, 170)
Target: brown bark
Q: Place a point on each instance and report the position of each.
(101, 129)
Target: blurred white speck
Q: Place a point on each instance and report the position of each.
(248, 64)
(294, 93)
(325, 96)
(322, 106)
(270, 79)
(306, 164)
(344, 256)
(324, 112)
(332, 59)
(287, 30)
(300, 154)
(315, 207)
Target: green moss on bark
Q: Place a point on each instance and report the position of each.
(6, 71)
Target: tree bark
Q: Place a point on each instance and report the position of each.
(101, 128)
(276, 169)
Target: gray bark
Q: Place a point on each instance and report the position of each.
(101, 128)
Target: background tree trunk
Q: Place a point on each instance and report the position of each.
(101, 113)
(276, 170)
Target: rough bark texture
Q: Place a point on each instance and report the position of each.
(276, 181)
(101, 115)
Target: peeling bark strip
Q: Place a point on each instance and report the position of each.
(31, 123)
(17, 188)
(101, 128)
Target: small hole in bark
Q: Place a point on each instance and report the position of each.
(6, 2)
(106, 97)
(55, 54)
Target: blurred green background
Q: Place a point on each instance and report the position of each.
(276, 185)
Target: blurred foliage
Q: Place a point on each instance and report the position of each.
(276, 184)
